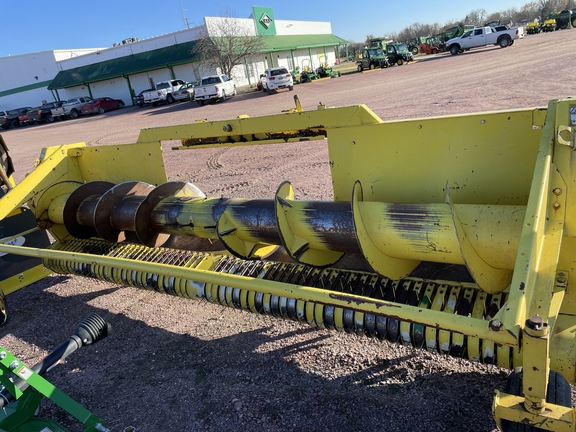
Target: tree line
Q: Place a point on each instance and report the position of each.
(477, 17)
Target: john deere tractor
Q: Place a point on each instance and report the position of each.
(564, 20)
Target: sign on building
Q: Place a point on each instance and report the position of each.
(264, 20)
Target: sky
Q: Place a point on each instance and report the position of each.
(73, 24)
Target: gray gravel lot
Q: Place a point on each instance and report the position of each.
(178, 365)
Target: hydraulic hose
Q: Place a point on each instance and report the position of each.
(91, 330)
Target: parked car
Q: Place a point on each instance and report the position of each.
(101, 105)
(483, 36)
(214, 88)
(184, 93)
(139, 100)
(72, 108)
(11, 118)
(276, 78)
(43, 113)
(25, 119)
(164, 92)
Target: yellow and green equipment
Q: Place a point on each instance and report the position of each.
(533, 27)
(452, 234)
(549, 23)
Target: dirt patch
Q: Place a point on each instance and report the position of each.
(180, 365)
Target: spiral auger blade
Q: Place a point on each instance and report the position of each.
(393, 238)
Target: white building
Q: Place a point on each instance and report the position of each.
(125, 69)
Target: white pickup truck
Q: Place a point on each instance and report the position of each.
(215, 87)
(164, 92)
(482, 36)
(72, 109)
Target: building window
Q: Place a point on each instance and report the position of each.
(290, 63)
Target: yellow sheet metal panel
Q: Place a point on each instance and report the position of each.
(120, 163)
(54, 165)
(563, 347)
(25, 278)
(564, 155)
(485, 158)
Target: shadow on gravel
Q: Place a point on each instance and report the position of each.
(253, 379)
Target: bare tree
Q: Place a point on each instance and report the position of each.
(354, 48)
(509, 16)
(494, 16)
(417, 30)
(530, 11)
(549, 6)
(226, 42)
(476, 17)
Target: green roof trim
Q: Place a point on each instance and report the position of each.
(295, 42)
(40, 84)
(173, 55)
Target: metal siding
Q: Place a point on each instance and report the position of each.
(114, 88)
(285, 27)
(31, 98)
(62, 55)
(185, 72)
(18, 73)
(140, 82)
(73, 92)
(139, 47)
(245, 26)
(160, 75)
(189, 35)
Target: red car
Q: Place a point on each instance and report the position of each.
(101, 105)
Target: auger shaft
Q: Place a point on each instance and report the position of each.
(394, 238)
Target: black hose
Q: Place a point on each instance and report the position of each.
(91, 330)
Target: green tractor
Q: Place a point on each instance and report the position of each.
(415, 43)
(453, 32)
(564, 20)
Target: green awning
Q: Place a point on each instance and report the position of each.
(173, 55)
(288, 43)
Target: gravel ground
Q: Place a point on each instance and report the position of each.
(179, 365)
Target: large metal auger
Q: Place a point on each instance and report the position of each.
(313, 233)
(489, 194)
